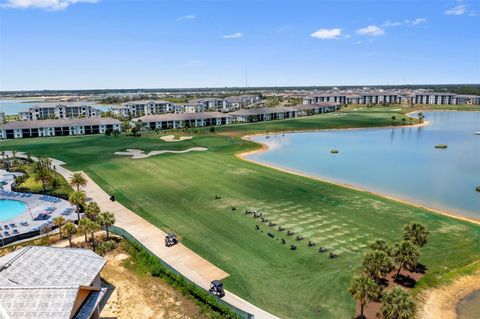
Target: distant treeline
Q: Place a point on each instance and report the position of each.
(462, 88)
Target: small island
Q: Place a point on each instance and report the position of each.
(478, 189)
(334, 151)
(441, 146)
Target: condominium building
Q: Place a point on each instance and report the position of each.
(140, 108)
(59, 111)
(194, 108)
(263, 114)
(236, 102)
(367, 98)
(65, 127)
(211, 103)
(182, 120)
(436, 98)
(312, 109)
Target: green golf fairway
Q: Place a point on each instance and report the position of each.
(177, 193)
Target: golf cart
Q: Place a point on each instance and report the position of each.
(170, 240)
(216, 288)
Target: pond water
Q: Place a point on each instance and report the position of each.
(402, 162)
(469, 307)
(11, 208)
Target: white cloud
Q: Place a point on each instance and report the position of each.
(327, 34)
(187, 17)
(371, 30)
(233, 35)
(43, 4)
(415, 22)
(388, 24)
(456, 11)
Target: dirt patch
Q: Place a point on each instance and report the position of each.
(138, 295)
(407, 280)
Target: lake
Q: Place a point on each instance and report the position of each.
(402, 162)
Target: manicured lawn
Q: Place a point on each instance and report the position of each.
(177, 192)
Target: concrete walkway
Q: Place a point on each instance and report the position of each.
(179, 257)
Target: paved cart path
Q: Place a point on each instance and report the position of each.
(179, 257)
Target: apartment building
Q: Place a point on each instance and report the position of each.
(211, 103)
(140, 108)
(312, 109)
(59, 111)
(64, 127)
(366, 98)
(263, 114)
(436, 98)
(182, 120)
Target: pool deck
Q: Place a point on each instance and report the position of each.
(181, 258)
(35, 206)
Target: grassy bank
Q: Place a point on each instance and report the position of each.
(177, 193)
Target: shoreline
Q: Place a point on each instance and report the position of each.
(264, 148)
(435, 303)
(441, 302)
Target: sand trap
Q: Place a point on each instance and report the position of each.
(171, 138)
(137, 154)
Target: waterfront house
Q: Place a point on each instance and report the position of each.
(51, 282)
(65, 127)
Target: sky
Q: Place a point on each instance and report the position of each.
(100, 44)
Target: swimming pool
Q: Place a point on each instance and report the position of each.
(11, 208)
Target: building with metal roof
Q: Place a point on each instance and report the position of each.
(50, 282)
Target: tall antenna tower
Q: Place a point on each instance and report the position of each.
(246, 77)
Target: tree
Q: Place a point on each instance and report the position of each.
(381, 245)
(78, 200)
(416, 233)
(363, 289)
(421, 117)
(406, 255)
(92, 211)
(397, 304)
(78, 180)
(393, 119)
(84, 225)
(92, 227)
(106, 220)
(70, 229)
(59, 221)
(377, 264)
(43, 175)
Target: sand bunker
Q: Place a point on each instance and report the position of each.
(137, 154)
(171, 138)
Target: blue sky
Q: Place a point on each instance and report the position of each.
(83, 44)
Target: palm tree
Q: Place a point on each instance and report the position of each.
(70, 229)
(84, 225)
(92, 227)
(416, 233)
(377, 264)
(78, 180)
(44, 176)
(397, 304)
(421, 117)
(78, 200)
(92, 211)
(59, 221)
(381, 245)
(107, 219)
(363, 289)
(393, 119)
(406, 255)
